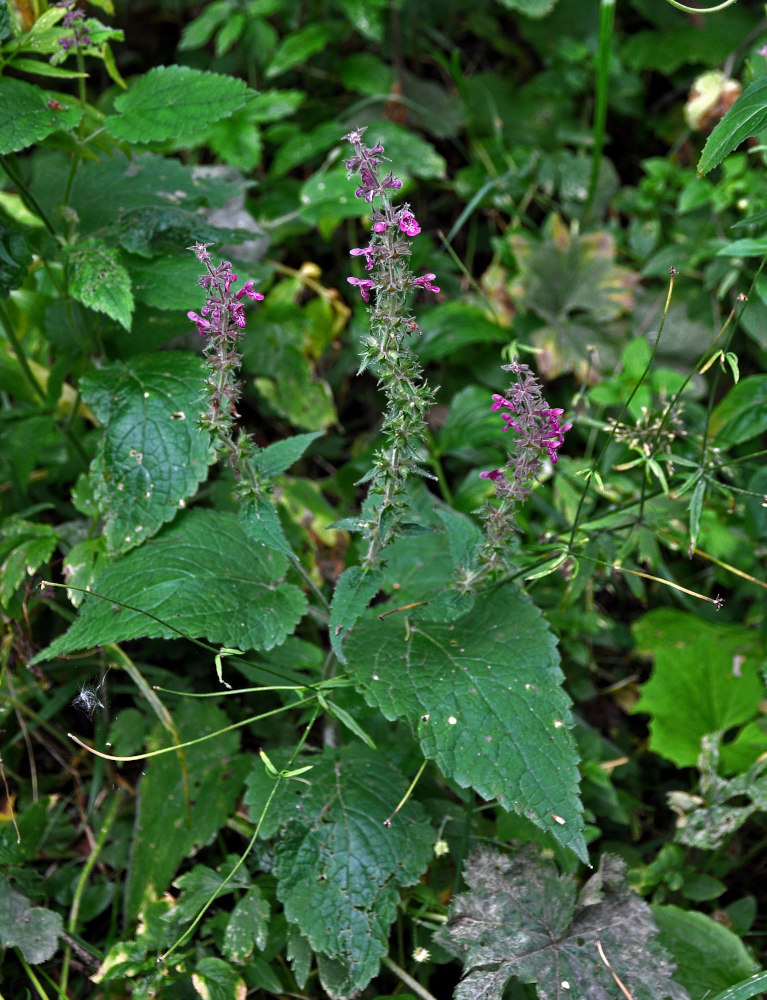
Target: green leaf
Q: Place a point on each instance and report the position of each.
(248, 926)
(26, 116)
(299, 46)
(745, 989)
(261, 522)
(742, 414)
(24, 547)
(708, 956)
(295, 394)
(153, 455)
(484, 695)
(706, 680)
(746, 117)
(34, 930)
(197, 887)
(163, 280)
(170, 101)
(521, 921)
(279, 456)
(337, 865)
(99, 281)
(530, 8)
(355, 589)
(15, 258)
(213, 979)
(449, 327)
(169, 828)
(203, 576)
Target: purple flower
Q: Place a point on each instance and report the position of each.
(408, 224)
(425, 282)
(368, 253)
(538, 430)
(364, 285)
(762, 51)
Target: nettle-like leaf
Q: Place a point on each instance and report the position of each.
(153, 455)
(169, 101)
(248, 926)
(29, 114)
(99, 280)
(34, 930)
(204, 577)
(482, 692)
(523, 921)
(354, 591)
(338, 866)
(706, 679)
(168, 827)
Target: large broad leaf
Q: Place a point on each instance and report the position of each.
(169, 827)
(706, 679)
(709, 956)
(483, 694)
(204, 577)
(169, 101)
(153, 455)
(34, 930)
(29, 114)
(522, 921)
(338, 865)
(747, 117)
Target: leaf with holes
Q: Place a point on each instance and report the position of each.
(201, 577)
(338, 866)
(484, 694)
(99, 281)
(153, 455)
(522, 921)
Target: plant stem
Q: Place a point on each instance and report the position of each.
(407, 979)
(606, 23)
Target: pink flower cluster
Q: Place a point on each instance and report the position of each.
(538, 430)
(223, 307)
(389, 223)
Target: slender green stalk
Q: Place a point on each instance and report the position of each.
(82, 882)
(701, 10)
(407, 979)
(606, 25)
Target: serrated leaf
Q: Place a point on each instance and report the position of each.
(99, 281)
(248, 926)
(213, 979)
(337, 865)
(521, 921)
(203, 576)
(169, 101)
(197, 887)
(299, 954)
(153, 455)
(355, 589)
(706, 679)
(26, 116)
(485, 698)
(279, 456)
(168, 827)
(34, 930)
(747, 117)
